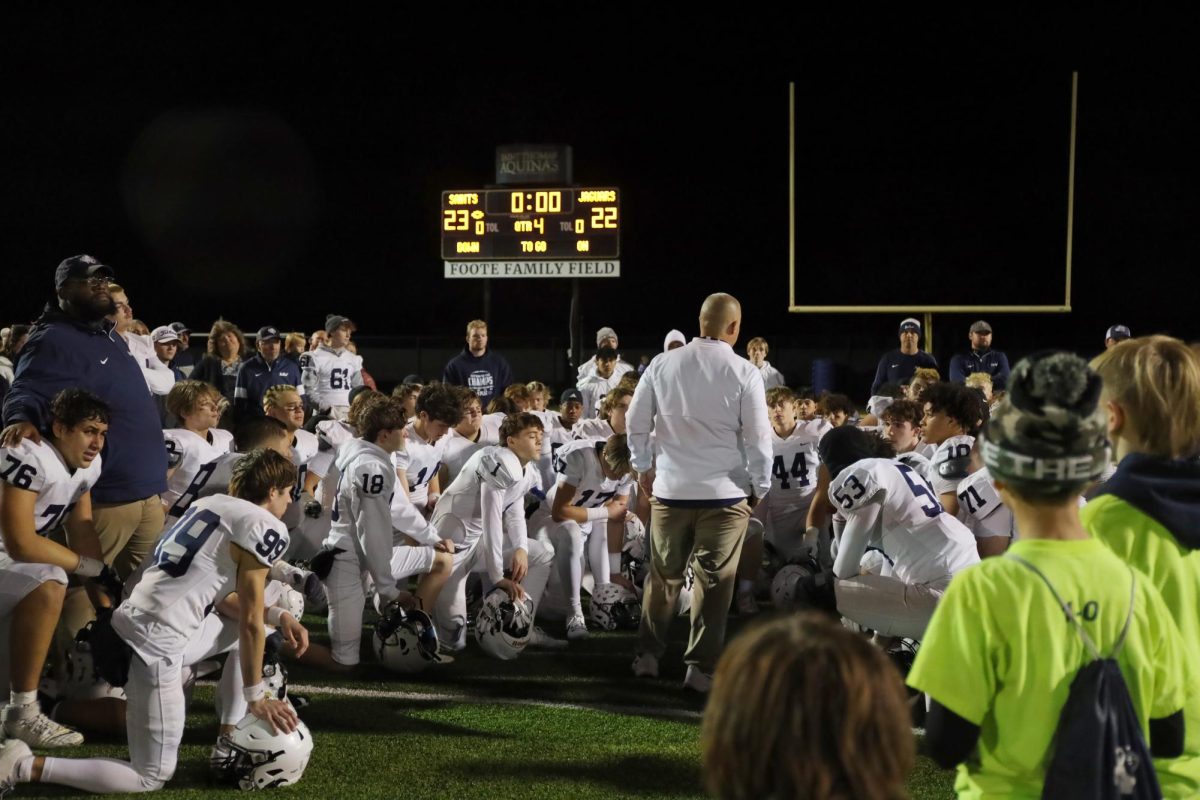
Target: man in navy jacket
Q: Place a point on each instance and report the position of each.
(982, 358)
(73, 345)
(264, 370)
(478, 368)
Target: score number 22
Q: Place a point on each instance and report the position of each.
(604, 217)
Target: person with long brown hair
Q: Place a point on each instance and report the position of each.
(797, 704)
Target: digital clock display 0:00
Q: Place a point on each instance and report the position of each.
(504, 224)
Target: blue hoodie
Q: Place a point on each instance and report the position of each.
(65, 353)
(487, 375)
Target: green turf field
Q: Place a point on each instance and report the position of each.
(571, 724)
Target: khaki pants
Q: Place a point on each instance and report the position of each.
(711, 539)
(128, 532)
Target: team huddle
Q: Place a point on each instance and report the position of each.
(418, 520)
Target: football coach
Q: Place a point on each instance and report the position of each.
(709, 464)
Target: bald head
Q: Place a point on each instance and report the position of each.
(721, 317)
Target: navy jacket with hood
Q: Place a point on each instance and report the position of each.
(63, 353)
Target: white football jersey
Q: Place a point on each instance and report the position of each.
(420, 461)
(794, 467)
(954, 447)
(594, 388)
(594, 428)
(917, 461)
(489, 428)
(212, 478)
(554, 436)
(193, 451)
(191, 568)
(305, 447)
(985, 514)
(455, 453)
(578, 464)
(39, 468)
(330, 374)
(497, 473)
(924, 543)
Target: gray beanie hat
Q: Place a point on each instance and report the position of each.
(1049, 434)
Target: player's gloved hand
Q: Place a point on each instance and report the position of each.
(520, 565)
(279, 713)
(514, 589)
(313, 509)
(313, 589)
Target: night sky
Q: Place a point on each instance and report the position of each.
(272, 172)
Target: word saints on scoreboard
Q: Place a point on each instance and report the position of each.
(523, 233)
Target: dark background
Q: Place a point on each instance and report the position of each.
(274, 170)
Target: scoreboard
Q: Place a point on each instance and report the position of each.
(517, 225)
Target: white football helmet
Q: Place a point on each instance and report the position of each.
(405, 641)
(783, 587)
(291, 601)
(635, 554)
(504, 625)
(614, 607)
(683, 606)
(260, 758)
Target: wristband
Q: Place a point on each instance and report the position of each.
(256, 692)
(89, 567)
(597, 514)
(274, 616)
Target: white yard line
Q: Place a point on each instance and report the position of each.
(682, 715)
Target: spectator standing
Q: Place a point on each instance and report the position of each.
(480, 369)
(73, 346)
(605, 337)
(898, 366)
(166, 347)
(707, 409)
(996, 696)
(756, 350)
(982, 358)
(1115, 334)
(158, 376)
(185, 359)
(260, 372)
(220, 365)
(332, 370)
(1148, 511)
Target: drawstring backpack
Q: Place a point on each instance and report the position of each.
(1099, 750)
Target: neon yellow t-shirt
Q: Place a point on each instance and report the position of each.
(1144, 544)
(1000, 653)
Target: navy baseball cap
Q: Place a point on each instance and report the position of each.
(267, 333)
(335, 321)
(80, 267)
(910, 324)
(179, 327)
(1118, 332)
(570, 396)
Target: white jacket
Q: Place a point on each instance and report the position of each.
(707, 407)
(771, 376)
(159, 377)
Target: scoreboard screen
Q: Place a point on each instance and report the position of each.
(531, 224)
